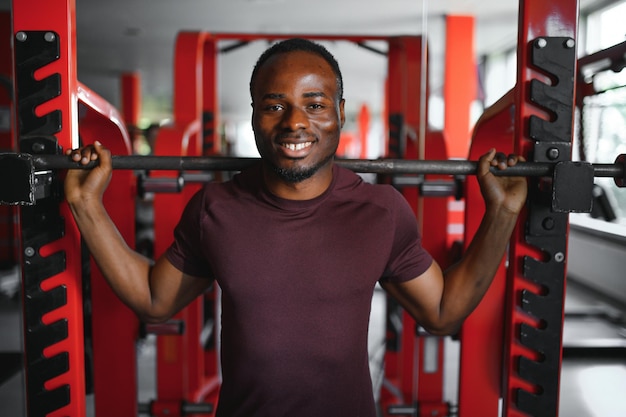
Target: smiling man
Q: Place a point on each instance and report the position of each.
(297, 118)
(297, 245)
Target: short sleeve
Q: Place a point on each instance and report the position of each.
(185, 252)
(408, 258)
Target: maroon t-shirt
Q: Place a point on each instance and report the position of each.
(297, 279)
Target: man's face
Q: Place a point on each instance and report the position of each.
(297, 115)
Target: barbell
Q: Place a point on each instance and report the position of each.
(29, 171)
(375, 166)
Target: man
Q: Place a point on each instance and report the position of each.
(297, 245)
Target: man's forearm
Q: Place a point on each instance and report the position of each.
(466, 282)
(126, 271)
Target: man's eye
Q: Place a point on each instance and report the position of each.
(316, 106)
(274, 107)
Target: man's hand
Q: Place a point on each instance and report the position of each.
(504, 192)
(441, 301)
(84, 185)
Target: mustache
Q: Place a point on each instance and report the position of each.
(296, 137)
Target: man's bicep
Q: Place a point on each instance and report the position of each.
(420, 296)
(172, 289)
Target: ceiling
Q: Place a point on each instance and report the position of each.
(116, 36)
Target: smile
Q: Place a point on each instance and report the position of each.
(296, 146)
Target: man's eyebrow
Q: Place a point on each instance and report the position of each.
(314, 94)
(278, 96)
(273, 96)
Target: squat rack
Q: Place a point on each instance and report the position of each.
(52, 286)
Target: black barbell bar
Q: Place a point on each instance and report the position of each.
(616, 170)
(31, 176)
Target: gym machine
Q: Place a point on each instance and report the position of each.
(53, 294)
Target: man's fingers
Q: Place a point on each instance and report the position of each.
(499, 160)
(86, 154)
(502, 161)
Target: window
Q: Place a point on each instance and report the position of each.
(603, 116)
(605, 27)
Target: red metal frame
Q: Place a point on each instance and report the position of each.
(185, 372)
(59, 17)
(130, 107)
(180, 361)
(131, 98)
(536, 19)
(430, 378)
(489, 335)
(400, 363)
(414, 381)
(459, 92)
(460, 83)
(114, 327)
(481, 336)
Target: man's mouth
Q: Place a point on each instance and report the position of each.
(296, 146)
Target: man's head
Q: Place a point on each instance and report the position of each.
(304, 45)
(298, 110)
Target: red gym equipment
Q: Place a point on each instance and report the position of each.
(510, 347)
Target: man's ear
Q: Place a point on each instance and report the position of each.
(342, 113)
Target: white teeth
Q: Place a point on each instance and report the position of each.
(296, 146)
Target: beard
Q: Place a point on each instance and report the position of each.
(299, 174)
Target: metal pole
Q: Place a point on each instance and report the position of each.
(377, 166)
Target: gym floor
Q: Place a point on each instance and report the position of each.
(593, 377)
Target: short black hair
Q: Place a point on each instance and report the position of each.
(304, 45)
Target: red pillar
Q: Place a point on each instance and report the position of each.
(131, 105)
(460, 80)
(403, 106)
(44, 59)
(131, 98)
(364, 126)
(546, 62)
(481, 337)
(114, 326)
(185, 371)
(459, 91)
(417, 380)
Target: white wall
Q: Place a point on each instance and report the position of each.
(596, 256)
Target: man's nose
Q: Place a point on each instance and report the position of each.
(295, 118)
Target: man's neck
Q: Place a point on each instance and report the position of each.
(303, 190)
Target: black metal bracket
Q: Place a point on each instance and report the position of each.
(33, 50)
(548, 202)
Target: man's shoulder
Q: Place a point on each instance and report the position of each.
(364, 187)
(245, 181)
(367, 182)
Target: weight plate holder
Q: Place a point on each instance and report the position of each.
(547, 223)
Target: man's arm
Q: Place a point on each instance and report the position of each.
(440, 301)
(154, 291)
